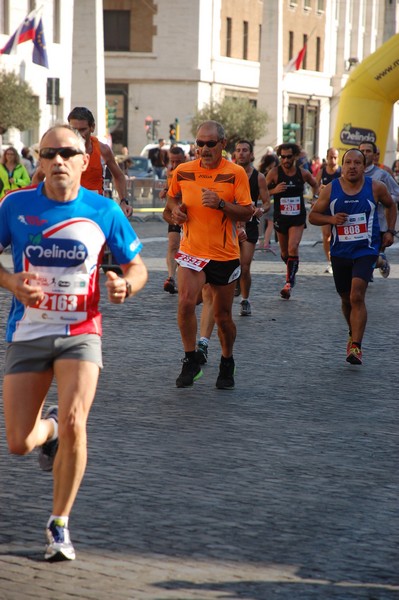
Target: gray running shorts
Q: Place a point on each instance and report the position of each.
(39, 354)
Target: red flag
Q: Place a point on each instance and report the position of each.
(296, 62)
(299, 58)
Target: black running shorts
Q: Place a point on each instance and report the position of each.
(345, 269)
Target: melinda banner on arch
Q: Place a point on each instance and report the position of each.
(365, 106)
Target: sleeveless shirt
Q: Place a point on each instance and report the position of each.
(92, 178)
(360, 234)
(290, 203)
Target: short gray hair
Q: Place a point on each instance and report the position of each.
(219, 128)
(81, 143)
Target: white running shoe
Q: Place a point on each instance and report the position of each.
(59, 545)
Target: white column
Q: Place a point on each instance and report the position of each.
(270, 97)
(88, 80)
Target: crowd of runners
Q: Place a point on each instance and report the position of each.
(57, 230)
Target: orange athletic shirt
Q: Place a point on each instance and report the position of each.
(92, 178)
(209, 233)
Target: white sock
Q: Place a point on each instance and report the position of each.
(205, 340)
(55, 434)
(64, 519)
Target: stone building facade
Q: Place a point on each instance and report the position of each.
(163, 59)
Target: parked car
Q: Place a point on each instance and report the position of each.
(139, 167)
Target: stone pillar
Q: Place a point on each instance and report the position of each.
(270, 96)
(88, 79)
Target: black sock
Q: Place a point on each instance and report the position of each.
(228, 360)
(357, 344)
(191, 355)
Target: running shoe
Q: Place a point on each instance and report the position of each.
(237, 290)
(190, 372)
(385, 267)
(349, 343)
(48, 450)
(286, 291)
(202, 352)
(170, 285)
(245, 310)
(354, 355)
(59, 545)
(225, 380)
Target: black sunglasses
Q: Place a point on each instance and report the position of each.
(65, 152)
(210, 144)
(283, 156)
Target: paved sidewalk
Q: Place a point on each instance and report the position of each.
(284, 488)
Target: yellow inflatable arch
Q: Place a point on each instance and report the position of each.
(365, 106)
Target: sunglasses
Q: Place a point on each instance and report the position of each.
(65, 152)
(283, 157)
(210, 144)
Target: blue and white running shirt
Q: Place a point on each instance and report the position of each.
(63, 242)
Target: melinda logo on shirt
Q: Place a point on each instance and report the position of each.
(57, 252)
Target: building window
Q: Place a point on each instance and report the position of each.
(290, 45)
(260, 43)
(293, 3)
(228, 36)
(245, 40)
(117, 30)
(318, 53)
(307, 115)
(116, 95)
(307, 4)
(320, 6)
(305, 57)
(56, 22)
(32, 5)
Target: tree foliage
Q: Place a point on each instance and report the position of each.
(18, 107)
(239, 118)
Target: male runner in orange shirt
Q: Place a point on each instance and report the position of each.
(214, 194)
(82, 119)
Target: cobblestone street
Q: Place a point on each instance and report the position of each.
(284, 488)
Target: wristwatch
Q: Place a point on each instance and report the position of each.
(221, 205)
(128, 289)
(124, 200)
(391, 231)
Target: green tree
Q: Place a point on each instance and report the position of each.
(18, 107)
(238, 116)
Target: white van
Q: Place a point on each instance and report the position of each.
(183, 144)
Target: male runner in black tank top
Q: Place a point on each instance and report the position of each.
(249, 231)
(286, 184)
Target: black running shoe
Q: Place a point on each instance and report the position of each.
(225, 380)
(190, 372)
(170, 285)
(48, 450)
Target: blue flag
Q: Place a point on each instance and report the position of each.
(39, 47)
(30, 29)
